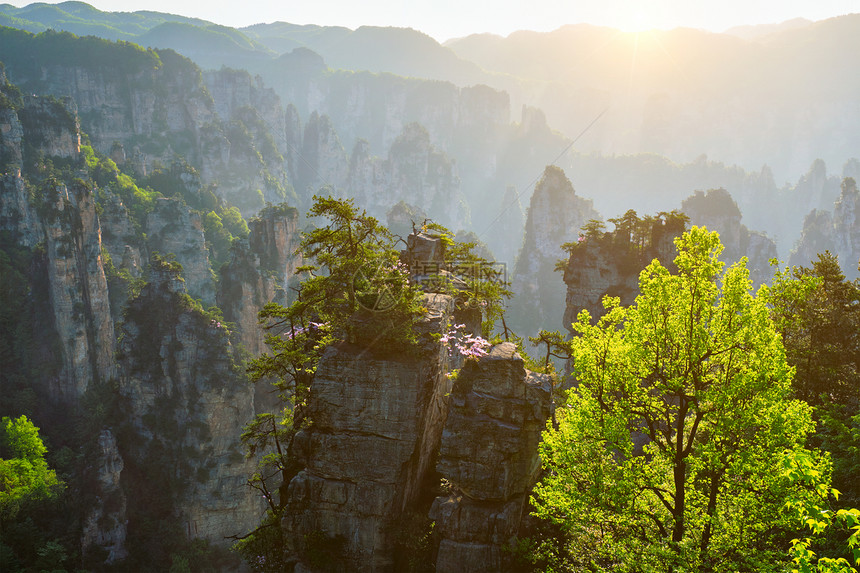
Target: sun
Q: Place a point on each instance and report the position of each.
(637, 19)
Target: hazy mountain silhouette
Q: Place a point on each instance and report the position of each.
(760, 30)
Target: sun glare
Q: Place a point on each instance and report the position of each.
(637, 20)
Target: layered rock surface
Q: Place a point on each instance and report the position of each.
(488, 455)
(377, 421)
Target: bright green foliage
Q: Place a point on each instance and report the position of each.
(818, 311)
(800, 469)
(24, 473)
(664, 454)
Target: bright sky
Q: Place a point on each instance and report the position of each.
(444, 19)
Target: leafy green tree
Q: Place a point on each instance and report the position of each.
(24, 473)
(663, 455)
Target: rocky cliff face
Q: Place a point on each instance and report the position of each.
(184, 397)
(155, 106)
(106, 526)
(838, 232)
(717, 211)
(415, 172)
(608, 264)
(556, 215)
(251, 160)
(172, 227)
(188, 399)
(259, 272)
(488, 456)
(60, 217)
(378, 425)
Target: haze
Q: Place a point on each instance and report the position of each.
(445, 19)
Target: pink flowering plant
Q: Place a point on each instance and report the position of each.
(464, 343)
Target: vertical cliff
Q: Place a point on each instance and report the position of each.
(260, 271)
(377, 421)
(719, 212)
(172, 227)
(415, 171)
(837, 231)
(166, 451)
(41, 208)
(156, 105)
(488, 455)
(188, 399)
(556, 215)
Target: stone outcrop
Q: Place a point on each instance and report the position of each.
(488, 455)
(172, 227)
(556, 215)
(837, 231)
(184, 393)
(107, 524)
(260, 270)
(188, 402)
(606, 264)
(61, 217)
(377, 421)
(718, 211)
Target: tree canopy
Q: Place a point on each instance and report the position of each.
(24, 473)
(664, 452)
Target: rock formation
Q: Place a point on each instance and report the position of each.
(838, 232)
(556, 215)
(415, 172)
(717, 211)
(608, 264)
(378, 424)
(488, 457)
(187, 399)
(172, 227)
(156, 105)
(260, 271)
(184, 396)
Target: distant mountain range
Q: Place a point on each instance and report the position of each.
(781, 95)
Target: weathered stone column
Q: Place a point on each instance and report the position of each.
(489, 456)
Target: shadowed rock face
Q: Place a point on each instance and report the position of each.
(187, 402)
(376, 423)
(376, 432)
(489, 456)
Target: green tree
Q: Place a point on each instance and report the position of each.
(663, 455)
(24, 473)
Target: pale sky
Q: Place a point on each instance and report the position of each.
(444, 19)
